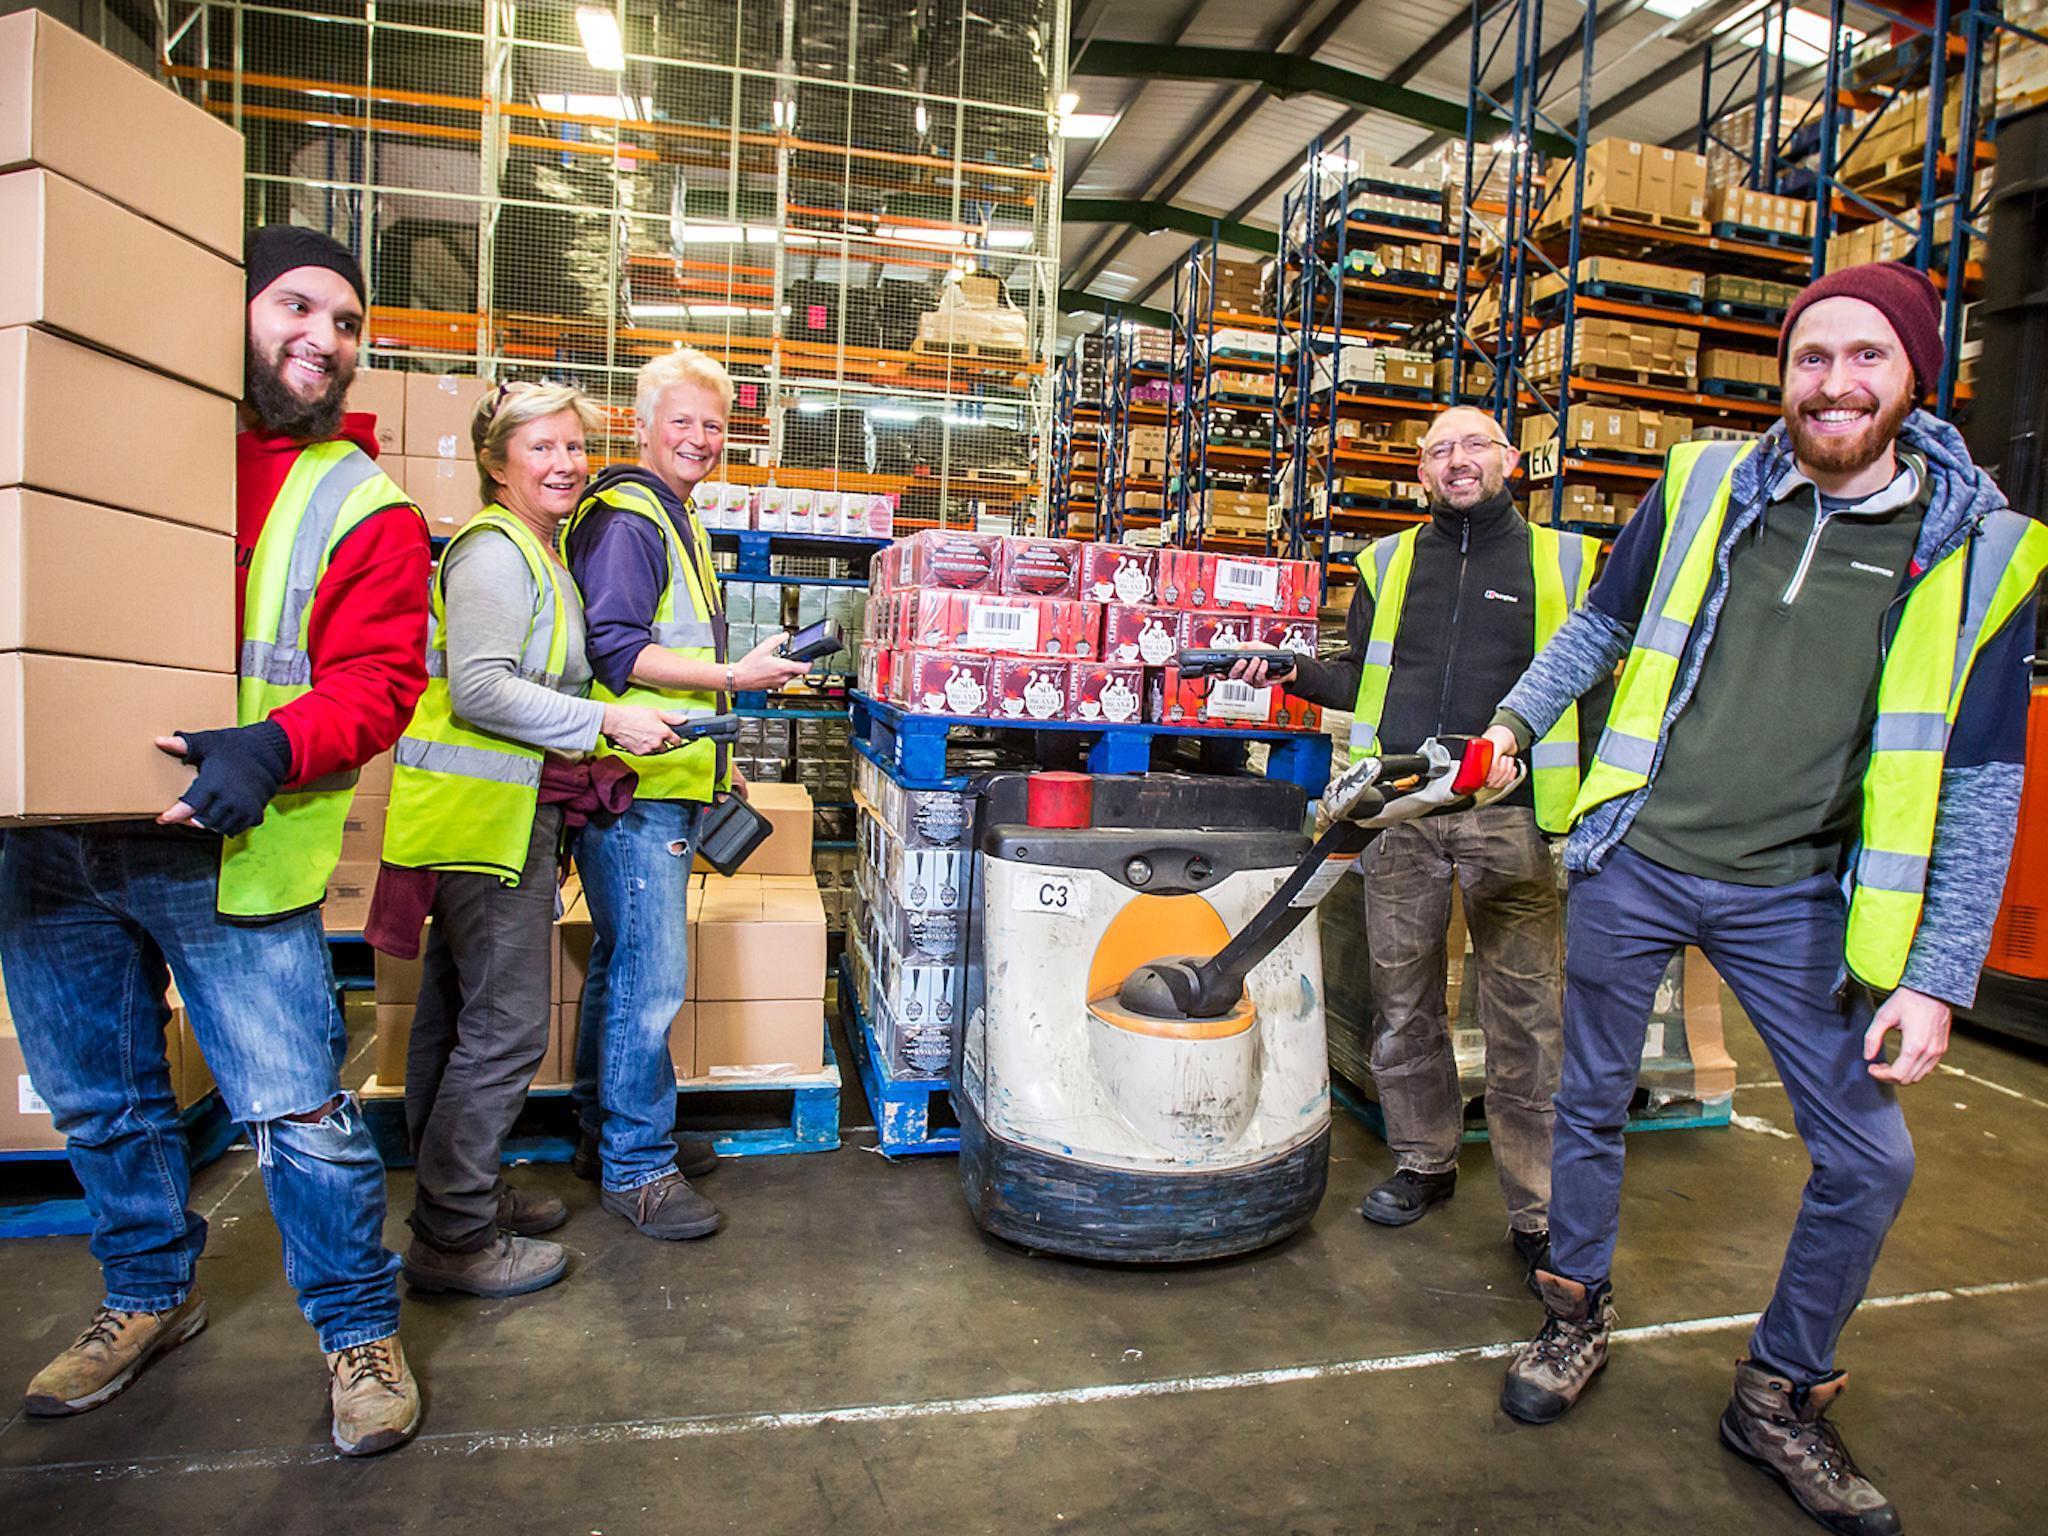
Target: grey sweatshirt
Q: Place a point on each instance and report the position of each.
(491, 600)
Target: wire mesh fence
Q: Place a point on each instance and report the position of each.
(852, 203)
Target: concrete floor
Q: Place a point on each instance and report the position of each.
(851, 1355)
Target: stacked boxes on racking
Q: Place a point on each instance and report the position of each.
(1045, 630)
(793, 509)
(106, 176)
(1628, 180)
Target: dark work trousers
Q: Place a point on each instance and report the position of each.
(1779, 949)
(487, 991)
(1501, 864)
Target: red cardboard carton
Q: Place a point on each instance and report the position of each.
(1042, 567)
(1288, 634)
(1178, 579)
(1223, 704)
(1030, 687)
(1116, 573)
(954, 561)
(1148, 636)
(1218, 631)
(945, 682)
(1111, 692)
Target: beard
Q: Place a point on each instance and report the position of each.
(1845, 455)
(280, 410)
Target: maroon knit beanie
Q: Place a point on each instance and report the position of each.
(1901, 293)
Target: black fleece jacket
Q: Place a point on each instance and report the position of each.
(1468, 632)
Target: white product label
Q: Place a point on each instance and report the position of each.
(1001, 629)
(1155, 644)
(1132, 585)
(1043, 697)
(1057, 895)
(1321, 883)
(28, 1101)
(1653, 1043)
(1230, 699)
(964, 693)
(1119, 701)
(1250, 582)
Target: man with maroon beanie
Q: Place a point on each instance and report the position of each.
(1811, 771)
(223, 892)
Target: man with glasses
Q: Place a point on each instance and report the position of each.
(1447, 614)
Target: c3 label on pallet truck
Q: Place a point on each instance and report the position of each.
(1058, 895)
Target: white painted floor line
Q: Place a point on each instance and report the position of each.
(1985, 1082)
(1759, 1126)
(1769, 1082)
(239, 1179)
(717, 1426)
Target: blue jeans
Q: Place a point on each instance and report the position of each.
(636, 878)
(89, 916)
(1780, 950)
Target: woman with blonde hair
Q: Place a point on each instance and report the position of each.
(503, 737)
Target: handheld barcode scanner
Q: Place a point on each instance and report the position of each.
(1144, 1071)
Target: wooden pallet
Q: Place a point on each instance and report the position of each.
(1749, 234)
(970, 351)
(1683, 223)
(1652, 378)
(1004, 477)
(1896, 177)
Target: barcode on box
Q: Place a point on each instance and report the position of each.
(1230, 699)
(27, 1100)
(1248, 582)
(1011, 629)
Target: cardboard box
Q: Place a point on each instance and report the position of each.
(172, 454)
(78, 579)
(760, 1037)
(397, 981)
(26, 1124)
(77, 735)
(682, 1041)
(438, 410)
(955, 561)
(1148, 636)
(69, 265)
(1030, 688)
(394, 1038)
(1041, 567)
(446, 490)
(787, 850)
(1111, 692)
(760, 938)
(375, 776)
(380, 392)
(191, 1078)
(362, 829)
(72, 106)
(1116, 573)
(349, 889)
(945, 682)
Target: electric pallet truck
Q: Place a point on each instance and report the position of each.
(1143, 1073)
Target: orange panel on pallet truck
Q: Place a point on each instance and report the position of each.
(2019, 942)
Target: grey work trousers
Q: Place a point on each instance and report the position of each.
(1502, 866)
(486, 999)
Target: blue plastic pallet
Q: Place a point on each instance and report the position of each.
(1686, 1117)
(756, 548)
(1625, 293)
(813, 1122)
(902, 1107)
(1737, 309)
(913, 747)
(208, 1133)
(1750, 235)
(1739, 389)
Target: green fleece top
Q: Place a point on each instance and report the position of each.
(1762, 785)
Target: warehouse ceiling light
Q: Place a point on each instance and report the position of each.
(1676, 10)
(603, 44)
(1807, 36)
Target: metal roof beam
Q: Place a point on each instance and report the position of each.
(1074, 302)
(1151, 215)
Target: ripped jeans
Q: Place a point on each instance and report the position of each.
(636, 878)
(89, 918)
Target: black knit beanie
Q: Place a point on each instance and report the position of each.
(275, 249)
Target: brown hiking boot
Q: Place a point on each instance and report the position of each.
(510, 1266)
(1785, 1430)
(104, 1361)
(1557, 1365)
(527, 1213)
(376, 1401)
(668, 1208)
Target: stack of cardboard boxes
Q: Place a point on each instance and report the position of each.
(1747, 208)
(1728, 159)
(2022, 67)
(1760, 292)
(1627, 180)
(1243, 287)
(1728, 366)
(1419, 259)
(1608, 429)
(121, 326)
(1894, 133)
(1581, 503)
(1477, 380)
(1648, 276)
(1372, 367)
(423, 439)
(1885, 240)
(1242, 512)
(1665, 354)
(756, 982)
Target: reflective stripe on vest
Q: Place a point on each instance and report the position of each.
(1561, 565)
(1950, 614)
(1697, 480)
(282, 864)
(463, 798)
(685, 623)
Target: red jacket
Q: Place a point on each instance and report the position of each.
(367, 638)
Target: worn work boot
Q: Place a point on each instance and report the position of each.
(104, 1361)
(1785, 1430)
(376, 1402)
(695, 1157)
(510, 1266)
(1533, 1248)
(1557, 1365)
(668, 1208)
(1407, 1197)
(528, 1214)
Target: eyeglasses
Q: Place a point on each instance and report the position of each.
(1440, 453)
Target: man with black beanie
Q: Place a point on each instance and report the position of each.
(1811, 771)
(1445, 618)
(224, 892)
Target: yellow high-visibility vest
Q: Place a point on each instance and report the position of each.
(464, 798)
(282, 864)
(1562, 565)
(1950, 614)
(684, 622)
